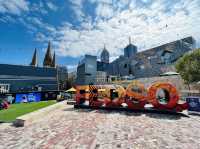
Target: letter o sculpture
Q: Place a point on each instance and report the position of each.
(167, 87)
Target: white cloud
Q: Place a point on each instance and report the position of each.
(148, 26)
(39, 8)
(101, 1)
(40, 37)
(52, 6)
(13, 6)
(120, 4)
(77, 7)
(6, 19)
(149, 23)
(104, 10)
(43, 30)
(146, 1)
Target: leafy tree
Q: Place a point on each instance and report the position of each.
(189, 66)
(71, 82)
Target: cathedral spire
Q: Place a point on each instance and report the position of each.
(54, 60)
(34, 59)
(48, 58)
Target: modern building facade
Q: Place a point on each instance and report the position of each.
(102, 78)
(86, 70)
(62, 76)
(152, 62)
(28, 78)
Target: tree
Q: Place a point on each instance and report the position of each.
(71, 82)
(189, 66)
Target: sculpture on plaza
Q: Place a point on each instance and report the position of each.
(160, 96)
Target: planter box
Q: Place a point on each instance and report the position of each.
(19, 123)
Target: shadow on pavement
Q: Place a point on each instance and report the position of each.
(69, 109)
(194, 113)
(153, 113)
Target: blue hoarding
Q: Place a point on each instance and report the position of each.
(28, 97)
(194, 103)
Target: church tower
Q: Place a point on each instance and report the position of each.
(105, 55)
(130, 50)
(34, 59)
(48, 58)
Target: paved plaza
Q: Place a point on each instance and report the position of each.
(71, 128)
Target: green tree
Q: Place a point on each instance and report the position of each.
(189, 66)
(71, 82)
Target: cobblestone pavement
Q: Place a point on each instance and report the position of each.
(88, 129)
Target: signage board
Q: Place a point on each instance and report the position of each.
(28, 97)
(194, 103)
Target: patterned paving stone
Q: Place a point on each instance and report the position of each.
(70, 128)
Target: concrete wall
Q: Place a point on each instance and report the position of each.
(175, 80)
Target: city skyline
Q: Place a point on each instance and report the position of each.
(79, 27)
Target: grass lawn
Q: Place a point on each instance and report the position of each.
(16, 110)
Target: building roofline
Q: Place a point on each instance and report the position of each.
(166, 44)
(28, 66)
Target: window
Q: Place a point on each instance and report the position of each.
(166, 58)
(125, 66)
(82, 91)
(142, 67)
(4, 88)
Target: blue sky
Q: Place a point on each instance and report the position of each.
(79, 27)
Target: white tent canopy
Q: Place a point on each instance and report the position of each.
(169, 73)
(71, 90)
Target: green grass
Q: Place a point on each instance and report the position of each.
(16, 110)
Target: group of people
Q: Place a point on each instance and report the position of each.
(4, 104)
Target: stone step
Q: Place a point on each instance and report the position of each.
(34, 116)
